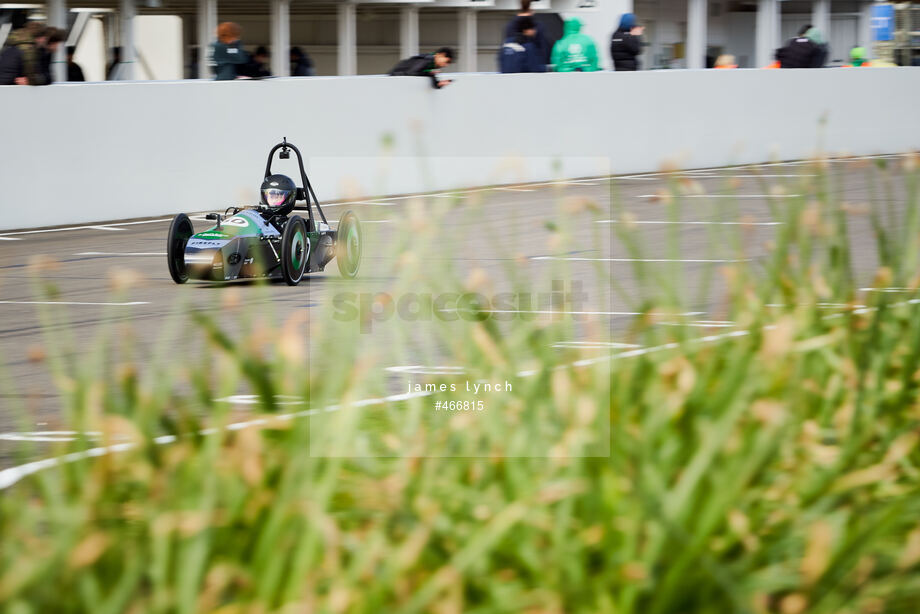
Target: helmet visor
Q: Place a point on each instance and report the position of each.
(275, 197)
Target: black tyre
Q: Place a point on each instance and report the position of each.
(179, 233)
(349, 243)
(295, 250)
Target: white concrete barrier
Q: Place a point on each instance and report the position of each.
(87, 153)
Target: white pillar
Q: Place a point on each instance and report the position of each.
(697, 21)
(766, 32)
(128, 11)
(348, 39)
(207, 33)
(281, 38)
(821, 17)
(864, 28)
(57, 17)
(408, 31)
(469, 40)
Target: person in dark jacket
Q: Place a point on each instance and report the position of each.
(301, 64)
(74, 72)
(521, 53)
(26, 59)
(540, 40)
(227, 53)
(258, 66)
(802, 51)
(626, 44)
(426, 65)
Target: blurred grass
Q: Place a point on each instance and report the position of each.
(768, 468)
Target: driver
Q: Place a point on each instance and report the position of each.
(278, 193)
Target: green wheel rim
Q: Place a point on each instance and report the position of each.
(297, 250)
(353, 246)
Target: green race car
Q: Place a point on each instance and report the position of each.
(265, 241)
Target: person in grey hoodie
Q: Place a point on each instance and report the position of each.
(227, 53)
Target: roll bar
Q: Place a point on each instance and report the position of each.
(284, 146)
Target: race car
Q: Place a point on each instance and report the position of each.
(264, 241)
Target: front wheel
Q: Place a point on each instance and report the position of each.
(295, 250)
(348, 245)
(179, 233)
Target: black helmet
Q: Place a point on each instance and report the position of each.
(279, 193)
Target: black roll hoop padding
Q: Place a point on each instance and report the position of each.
(302, 193)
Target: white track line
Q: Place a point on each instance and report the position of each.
(724, 196)
(10, 239)
(557, 312)
(701, 323)
(690, 223)
(698, 260)
(87, 227)
(121, 254)
(127, 304)
(595, 344)
(888, 289)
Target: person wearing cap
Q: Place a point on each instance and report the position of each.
(521, 53)
(574, 52)
(626, 44)
(858, 58)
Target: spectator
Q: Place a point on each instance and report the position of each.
(521, 53)
(800, 52)
(26, 59)
(74, 72)
(539, 39)
(227, 53)
(301, 64)
(426, 65)
(820, 57)
(575, 52)
(858, 58)
(114, 67)
(726, 60)
(258, 65)
(626, 44)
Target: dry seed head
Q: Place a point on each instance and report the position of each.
(883, 277)
(231, 299)
(628, 219)
(794, 603)
(634, 571)
(669, 165)
(770, 413)
(43, 264)
(910, 556)
(817, 551)
(36, 354)
(88, 550)
(778, 339)
(478, 281)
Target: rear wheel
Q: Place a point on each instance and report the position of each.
(349, 243)
(179, 233)
(295, 250)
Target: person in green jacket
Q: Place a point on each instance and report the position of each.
(227, 53)
(574, 52)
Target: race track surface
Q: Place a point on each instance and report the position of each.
(113, 277)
